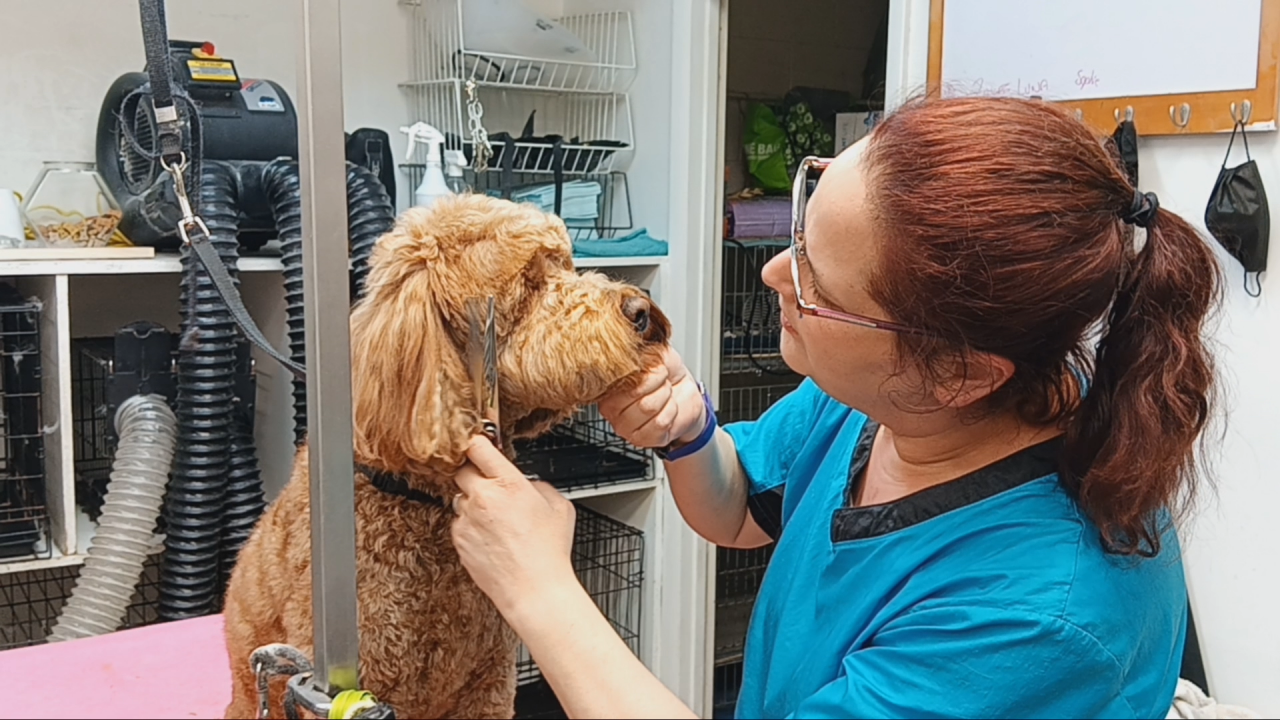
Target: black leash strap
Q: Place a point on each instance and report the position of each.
(155, 37)
(173, 159)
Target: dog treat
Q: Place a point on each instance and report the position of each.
(94, 231)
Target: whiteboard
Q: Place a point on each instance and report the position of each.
(1090, 49)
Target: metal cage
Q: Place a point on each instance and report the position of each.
(585, 452)
(24, 516)
(608, 557)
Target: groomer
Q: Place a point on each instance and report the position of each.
(973, 493)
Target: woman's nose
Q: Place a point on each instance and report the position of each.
(777, 274)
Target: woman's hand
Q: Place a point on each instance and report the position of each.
(665, 408)
(514, 535)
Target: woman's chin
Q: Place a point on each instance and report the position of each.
(793, 354)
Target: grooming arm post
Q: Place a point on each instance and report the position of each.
(322, 162)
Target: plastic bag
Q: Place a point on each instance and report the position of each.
(765, 142)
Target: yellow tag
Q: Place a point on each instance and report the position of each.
(350, 702)
(215, 70)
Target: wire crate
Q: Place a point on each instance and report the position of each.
(608, 557)
(595, 133)
(452, 40)
(742, 399)
(31, 601)
(595, 205)
(24, 516)
(738, 577)
(585, 452)
(726, 681)
(90, 370)
(751, 325)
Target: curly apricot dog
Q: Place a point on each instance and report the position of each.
(431, 645)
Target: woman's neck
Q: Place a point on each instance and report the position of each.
(905, 463)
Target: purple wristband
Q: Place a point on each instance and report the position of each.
(708, 432)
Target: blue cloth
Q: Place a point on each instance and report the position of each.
(636, 244)
(941, 605)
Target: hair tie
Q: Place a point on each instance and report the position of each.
(1143, 210)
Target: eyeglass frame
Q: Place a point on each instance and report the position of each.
(799, 200)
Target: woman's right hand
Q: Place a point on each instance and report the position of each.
(665, 409)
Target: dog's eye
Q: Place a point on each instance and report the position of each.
(637, 311)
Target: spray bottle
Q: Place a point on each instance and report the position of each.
(455, 163)
(433, 185)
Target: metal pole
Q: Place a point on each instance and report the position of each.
(328, 343)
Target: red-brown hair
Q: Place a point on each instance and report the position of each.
(1002, 233)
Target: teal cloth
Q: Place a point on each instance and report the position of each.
(637, 244)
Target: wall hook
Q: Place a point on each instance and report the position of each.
(1079, 115)
(1245, 113)
(1180, 115)
(1128, 114)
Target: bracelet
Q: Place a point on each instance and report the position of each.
(671, 454)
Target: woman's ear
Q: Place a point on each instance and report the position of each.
(975, 376)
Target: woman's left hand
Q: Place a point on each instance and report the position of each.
(514, 535)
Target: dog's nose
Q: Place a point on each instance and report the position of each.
(637, 310)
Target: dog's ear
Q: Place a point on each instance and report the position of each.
(406, 374)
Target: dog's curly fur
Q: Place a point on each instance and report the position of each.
(431, 644)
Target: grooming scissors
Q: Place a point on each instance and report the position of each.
(482, 357)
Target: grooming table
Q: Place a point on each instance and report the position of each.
(170, 670)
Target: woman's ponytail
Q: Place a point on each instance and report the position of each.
(1131, 444)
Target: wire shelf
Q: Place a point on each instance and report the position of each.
(751, 326)
(24, 517)
(594, 205)
(31, 601)
(608, 557)
(584, 453)
(594, 132)
(451, 41)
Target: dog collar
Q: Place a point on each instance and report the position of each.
(396, 485)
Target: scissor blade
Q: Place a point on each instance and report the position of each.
(482, 358)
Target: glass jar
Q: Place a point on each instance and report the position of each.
(69, 205)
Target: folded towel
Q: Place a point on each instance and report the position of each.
(637, 244)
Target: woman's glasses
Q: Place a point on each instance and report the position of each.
(800, 191)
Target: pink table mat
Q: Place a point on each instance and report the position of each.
(170, 670)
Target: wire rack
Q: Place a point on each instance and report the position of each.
(595, 205)
(595, 132)
(751, 327)
(608, 557)
(31, 601)
(584, 453)
(452, 40)
(24, 518)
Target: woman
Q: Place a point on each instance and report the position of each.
(972, 493)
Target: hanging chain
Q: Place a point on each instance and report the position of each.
(479, 136)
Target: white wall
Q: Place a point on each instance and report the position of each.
(58, 57)
(1233, 545)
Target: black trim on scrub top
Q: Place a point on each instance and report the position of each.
(859, 523)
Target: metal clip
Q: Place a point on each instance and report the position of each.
(190, 221)
(300, 692)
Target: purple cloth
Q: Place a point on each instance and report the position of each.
(763, 217)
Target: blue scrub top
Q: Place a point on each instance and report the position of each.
(989, 596)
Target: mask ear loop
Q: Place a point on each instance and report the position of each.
(1257, 279)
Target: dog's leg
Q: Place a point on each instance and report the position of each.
(491, 692)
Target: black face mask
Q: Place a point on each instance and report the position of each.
(1125, 139)
(1238, 216)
